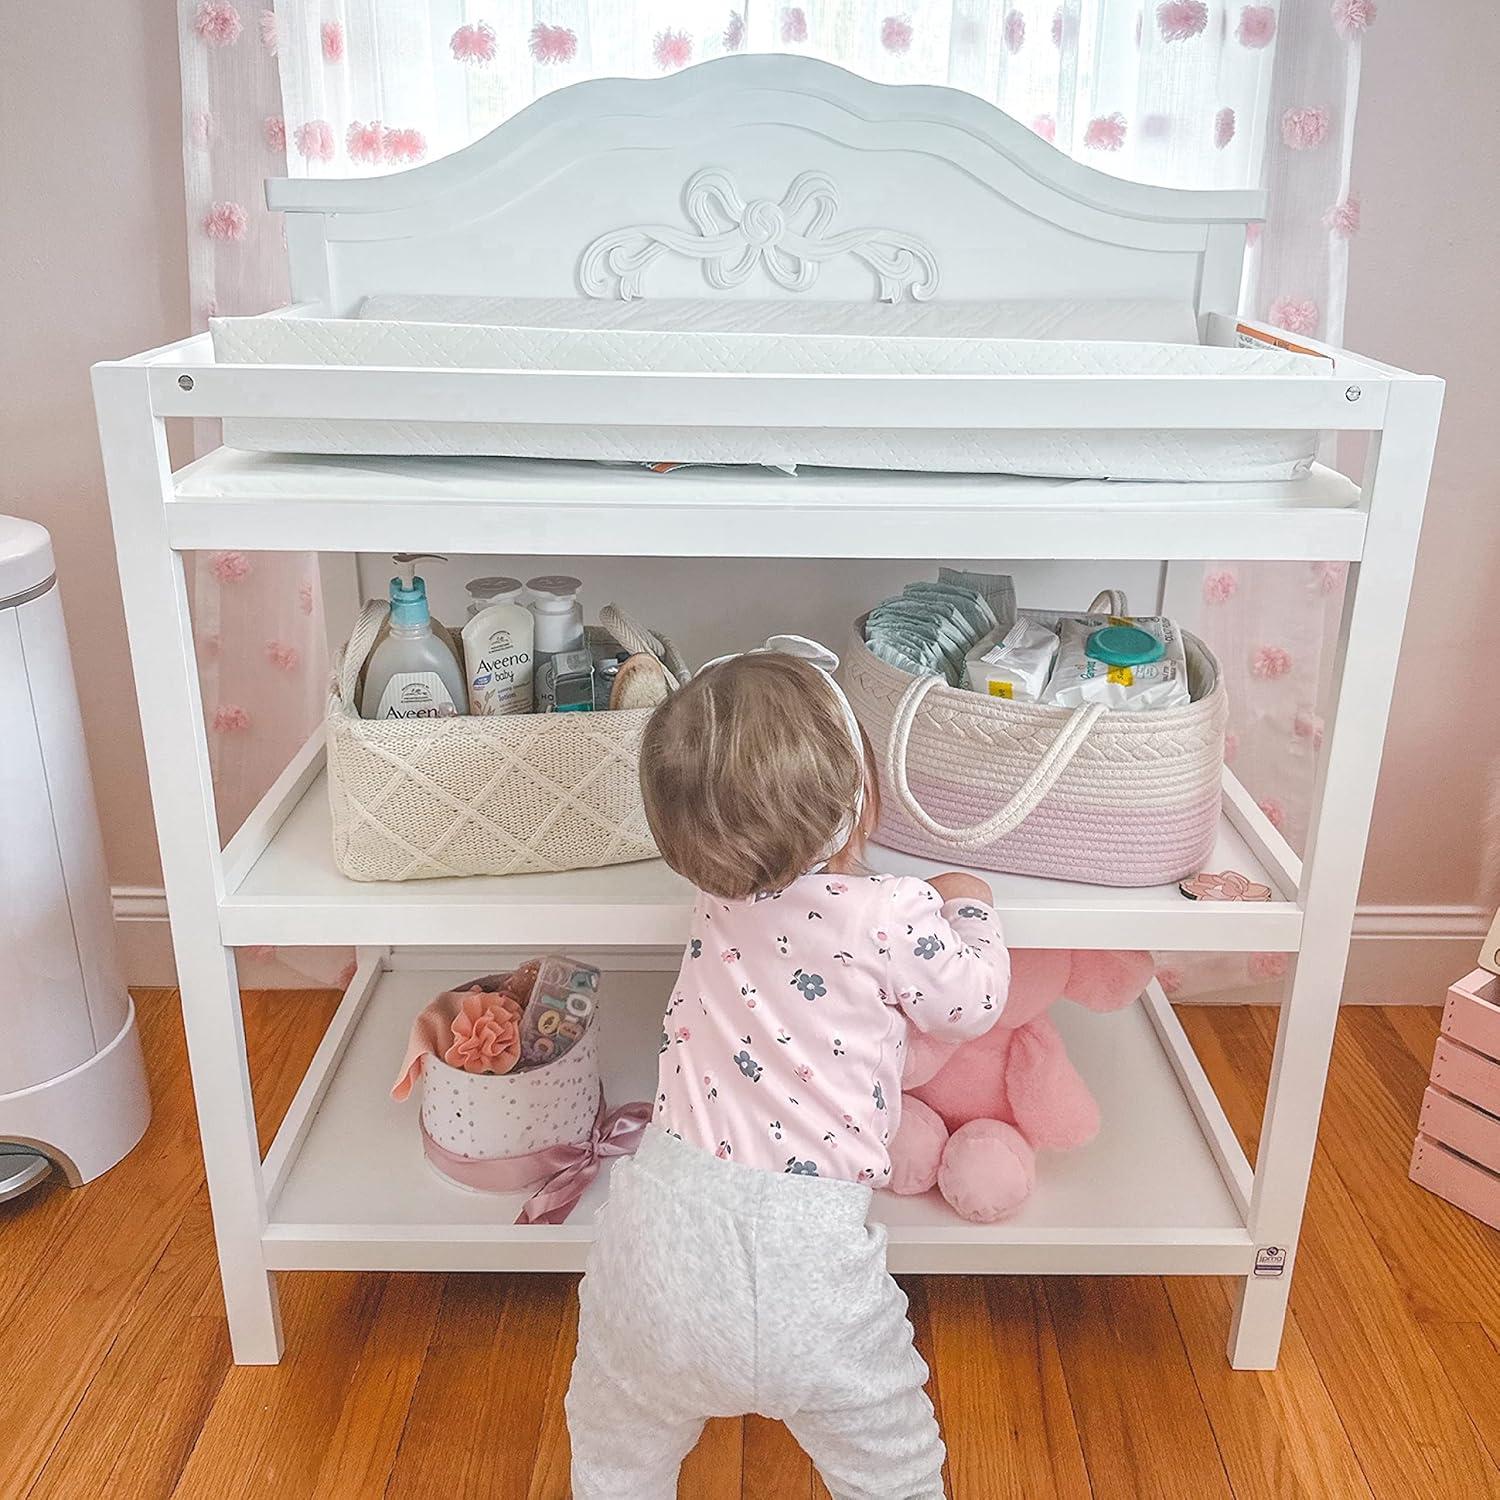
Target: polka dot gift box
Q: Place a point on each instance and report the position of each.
(506, 1108)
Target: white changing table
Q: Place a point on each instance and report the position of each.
(1166, 1189)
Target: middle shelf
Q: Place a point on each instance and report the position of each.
(281, 887)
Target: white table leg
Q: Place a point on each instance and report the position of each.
(154, 589)
(1369, 645)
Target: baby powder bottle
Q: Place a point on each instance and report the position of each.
(498, 648)
(412, 673)
(558, 616)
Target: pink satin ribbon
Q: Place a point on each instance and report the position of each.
(563, 1171)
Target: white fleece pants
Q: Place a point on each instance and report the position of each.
(715, 1290)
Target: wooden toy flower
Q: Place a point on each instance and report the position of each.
(1228, 886)
(486, 1034)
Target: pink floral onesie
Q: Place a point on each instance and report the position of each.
(782, 1043)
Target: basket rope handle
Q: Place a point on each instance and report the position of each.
(1054, 762)
(1057, 758)
(636, 639)
(347, 664)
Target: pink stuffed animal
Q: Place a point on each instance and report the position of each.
(974, 1114)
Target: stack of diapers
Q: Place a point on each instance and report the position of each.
(931, 629)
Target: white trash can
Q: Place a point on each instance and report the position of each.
(72, 1079)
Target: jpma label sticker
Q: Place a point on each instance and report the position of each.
(1270, 1260)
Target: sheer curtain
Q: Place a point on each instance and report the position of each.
(1189, 93)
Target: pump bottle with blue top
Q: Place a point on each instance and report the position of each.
(412, 673)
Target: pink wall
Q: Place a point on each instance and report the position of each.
(101, 272)
(94, 267)
(1424, 295)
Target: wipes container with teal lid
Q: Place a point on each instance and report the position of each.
(1123, 646)
(1135, 663)
(412, 673)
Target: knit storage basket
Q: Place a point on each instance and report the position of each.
(1108, 796)
(416, 799)
(489, 1117)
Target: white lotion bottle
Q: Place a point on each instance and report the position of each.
(558, 616)
(412, 673)
(498, 649)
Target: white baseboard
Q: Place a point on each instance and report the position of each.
(1400, 955)
(143, 936)
(1409, 955)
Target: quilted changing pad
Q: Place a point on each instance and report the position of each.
(1138, 338)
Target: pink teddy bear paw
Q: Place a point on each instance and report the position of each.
(917, 1150)
(988, 1170)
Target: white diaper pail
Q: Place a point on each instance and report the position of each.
(72, 1080)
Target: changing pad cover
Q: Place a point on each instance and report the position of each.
(1138, 338)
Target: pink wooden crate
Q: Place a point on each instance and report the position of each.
(1468, 1130)
(1457, 1179)
(1457, 1151)
(1469, 1075)
(1472, 1014)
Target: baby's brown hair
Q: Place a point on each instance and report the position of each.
(748, 774)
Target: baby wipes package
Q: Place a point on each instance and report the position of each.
(1136, 663)
(1015, 664)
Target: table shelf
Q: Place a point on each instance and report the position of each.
(276, 502)
(282, 887)
(349, 1189)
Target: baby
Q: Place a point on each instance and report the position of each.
(734, 1271)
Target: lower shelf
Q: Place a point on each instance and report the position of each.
(349, 1188)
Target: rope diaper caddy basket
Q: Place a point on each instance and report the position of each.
(1107, 796)
(419, 799)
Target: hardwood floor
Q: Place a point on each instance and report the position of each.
(115, 1377)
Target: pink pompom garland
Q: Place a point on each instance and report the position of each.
(1105, 132)
(473, 44)
(1343, 217)
(225, 221)
(1350, 17)
(1270, 662)
(365, 143)
(896, 34)
(672, 50)
(1220, 586)
(1180, 20)
(1257, 26)
(1294, 314)
(230, 718)
(314, 140)
(405, 144)
(1303, 129)
(554, 44)
(217, 23)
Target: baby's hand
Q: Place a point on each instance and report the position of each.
(955, 886)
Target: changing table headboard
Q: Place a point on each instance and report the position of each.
(762, 176)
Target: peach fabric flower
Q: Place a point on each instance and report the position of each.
(486, 1034)
(1228, 885)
